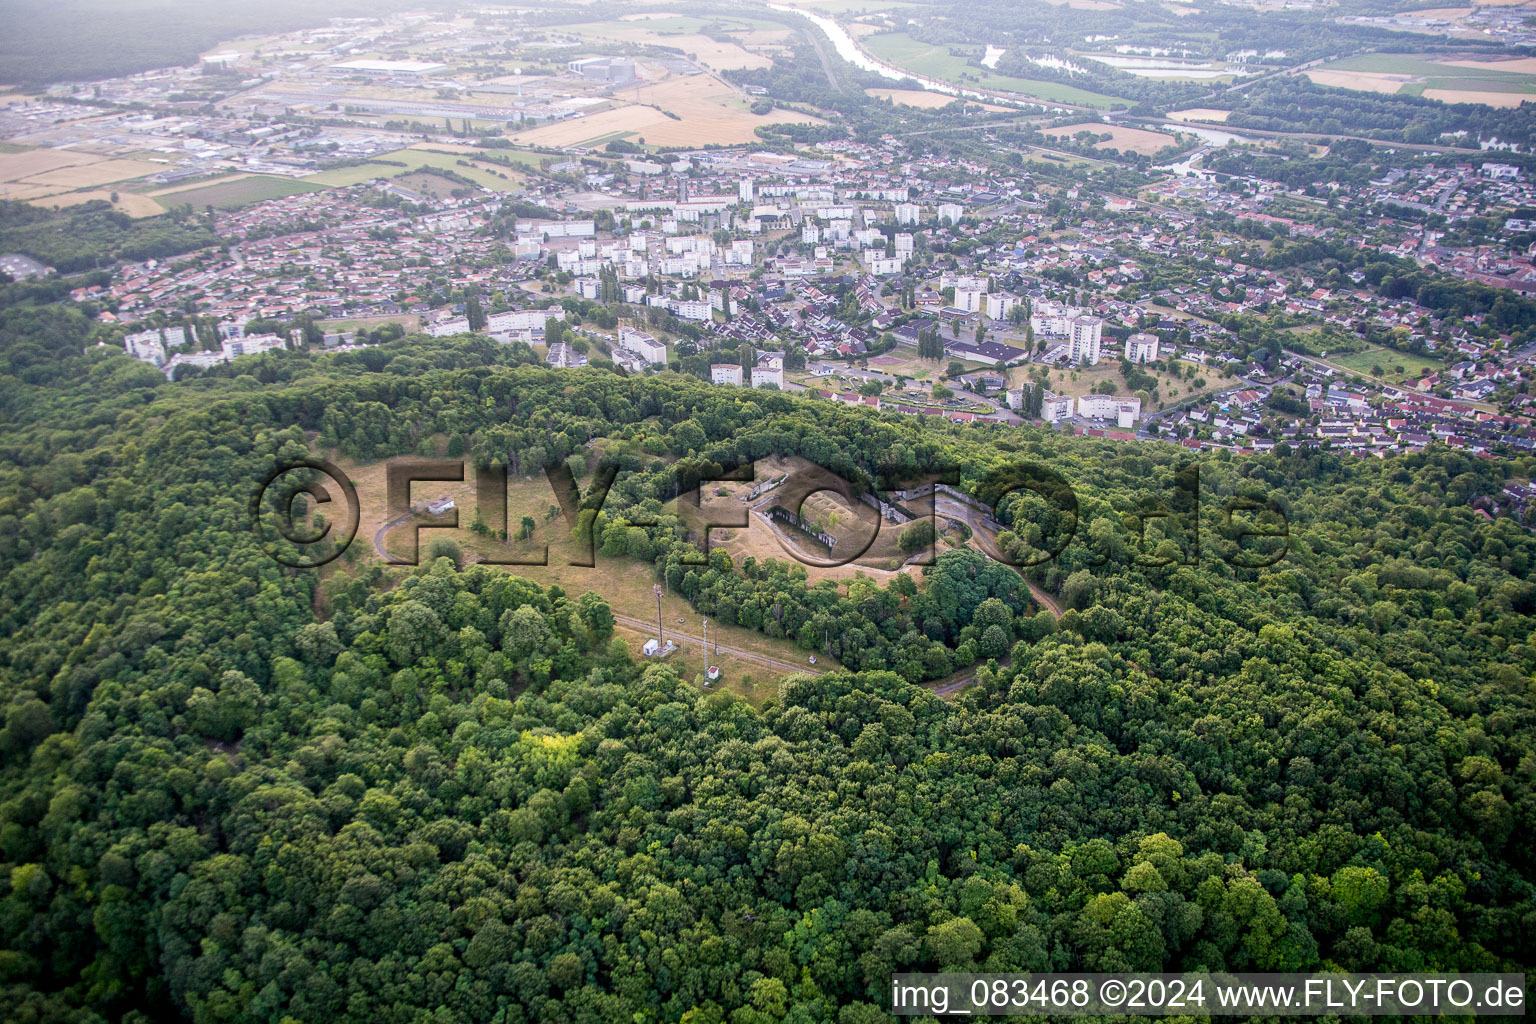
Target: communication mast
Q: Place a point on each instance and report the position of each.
(661, 638)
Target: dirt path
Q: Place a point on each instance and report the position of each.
(644, 625)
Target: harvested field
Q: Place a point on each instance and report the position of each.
(718, 56)
(1517, 65)
(32, 162)
(100, 172)
(706, 111)
(1362, 81)
(1135, 140)
(131, 203)
(923, 98)
(1488, 99)
(1199, 114)
(912, 97)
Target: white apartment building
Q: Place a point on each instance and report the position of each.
(971, 300)
(746, 190)
(689, 309)
(518, 320)
(642, 344)
(908, 213)
(762, 376)
(1124, 411)
(725, 373)
(950, 213)
(1083, 343)
(1055, 407)
(1141, 348)
(1000, 304)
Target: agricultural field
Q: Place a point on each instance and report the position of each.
(702, 110)
(1199, 114)
(27, 173)
(1133, 140)
(924, 98)
(901, 50)
(752, 42)
(1502, 83)
(238, 191)
(131, 203)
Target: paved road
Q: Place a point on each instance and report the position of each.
(985, 535)
(378, 538)
(644, 625)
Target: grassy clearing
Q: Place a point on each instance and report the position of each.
(410, 321)
(1172, 388)
(624, 582)
(1366, 360)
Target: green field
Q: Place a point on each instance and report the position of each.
(342, 176)
(497, 179)
(936, 61)
(410, 321)
(227, 195)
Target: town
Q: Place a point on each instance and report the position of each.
(864, 271)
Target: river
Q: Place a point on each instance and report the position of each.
(850, 51)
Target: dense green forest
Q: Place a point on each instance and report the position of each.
(232, 791)
(93, 234)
